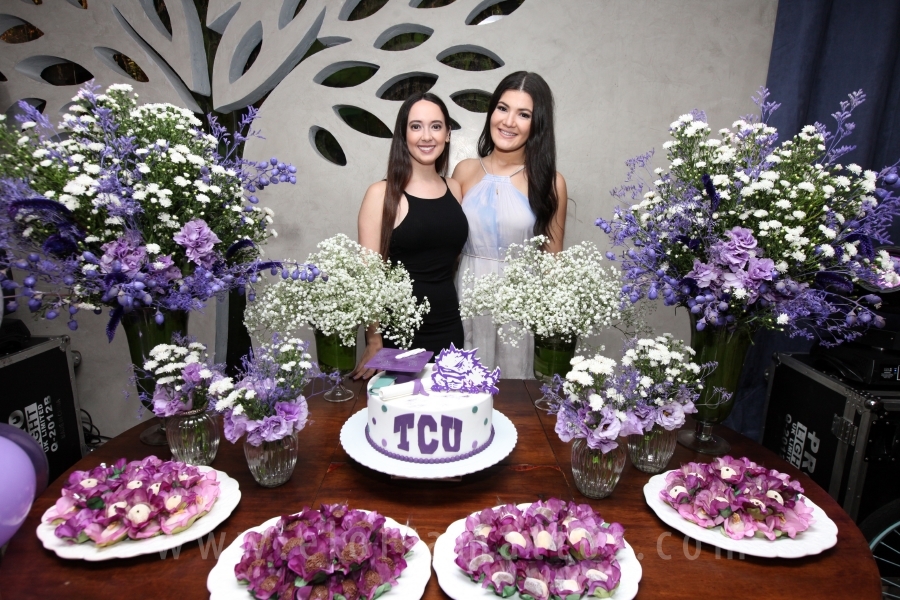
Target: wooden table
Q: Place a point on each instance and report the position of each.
(539, 467)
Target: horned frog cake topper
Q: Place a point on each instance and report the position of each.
(458, 370)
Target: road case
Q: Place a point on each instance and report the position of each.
(844, 435)
(38, 395)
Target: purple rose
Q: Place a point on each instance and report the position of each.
(736, 249)
(166, 403)
(603, 436)
(670, 416)
(191, 373)
(127, 252)
(163, 269)
(198, 240)
(705, 275)
(235, 426)
(761, 269)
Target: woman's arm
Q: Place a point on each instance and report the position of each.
(369, 231)
(558, 222)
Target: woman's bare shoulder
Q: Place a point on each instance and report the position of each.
(455, 189)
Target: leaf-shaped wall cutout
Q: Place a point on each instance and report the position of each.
(289, 10)
(431, 3)
(346, 74)
(472, 100)
(66, 73)
(403, 86)
(470, 58)
(492, 10)
(252, 58)
(17, 31)
(78, 3)
(3, 77)
(363, 121)
(327, 146)
(120, 63)
(162, 16)
(405, 41)
(354, 10)
(454, 126)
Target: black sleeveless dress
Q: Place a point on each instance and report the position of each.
(427, 242)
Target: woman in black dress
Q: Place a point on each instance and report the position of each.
(414, 217)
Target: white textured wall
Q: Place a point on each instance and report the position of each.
(621, 71)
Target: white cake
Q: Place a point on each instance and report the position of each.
(438, 428)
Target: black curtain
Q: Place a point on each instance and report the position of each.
(821, 51)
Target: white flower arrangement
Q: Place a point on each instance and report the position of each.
(568, 294)
(357, 288)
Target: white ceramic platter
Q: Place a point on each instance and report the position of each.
(229, 496)
(820, 536)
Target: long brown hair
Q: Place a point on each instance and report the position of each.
(540, 148)
(399, 168)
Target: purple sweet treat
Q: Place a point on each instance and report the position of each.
(457, 370)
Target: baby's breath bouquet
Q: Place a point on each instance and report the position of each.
(569, 294)
(359, 289)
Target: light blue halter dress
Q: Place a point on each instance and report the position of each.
(498, 215)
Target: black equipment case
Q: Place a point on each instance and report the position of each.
(38, 395)
(845, 436)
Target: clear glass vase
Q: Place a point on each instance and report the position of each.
(143, 333)
(651, 451)
(596, 474)
(272, 463)
(335, 357)
(193, 437)
(728, 349)
(552, 356)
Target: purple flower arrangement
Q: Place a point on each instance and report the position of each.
(550, 549)
(332, 552)
(749, 232)
(654, 385)
(135, 500)
(458, 370)
(131, 207)
(743, 498)
(267, 403)
(185, 380)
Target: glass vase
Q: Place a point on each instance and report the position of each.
(193, 436)
(651, 451)
(728, 349)
(552, 356)
(336, 357)
(143, 333)
(272, 463)
(596, 474)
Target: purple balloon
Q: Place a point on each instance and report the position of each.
(17, 490)
(34, 452)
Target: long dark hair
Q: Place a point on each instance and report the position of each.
(540, 148)
(399, 168)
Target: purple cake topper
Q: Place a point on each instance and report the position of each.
(458, 370)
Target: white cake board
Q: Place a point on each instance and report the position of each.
(353, 439)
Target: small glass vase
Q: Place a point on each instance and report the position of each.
(552, 356)
(651, 451)
(728, 349)
(272, 463)
(142, 334)
(596, 474)
(334, 356)
(193, 437)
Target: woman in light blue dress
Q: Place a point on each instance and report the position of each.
(511, 193)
